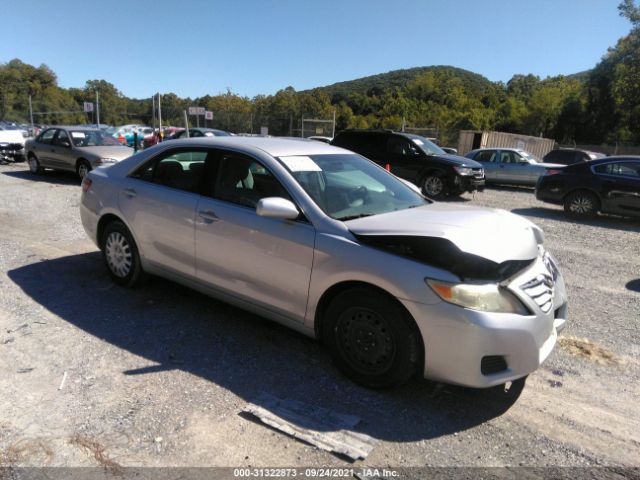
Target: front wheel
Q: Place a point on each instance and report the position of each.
(34, 165)
(372, 339)
(582, 204)
(121, 256)
(433, 186)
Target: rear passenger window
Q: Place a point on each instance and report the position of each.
(488, 156)
(626, 169)
(182, 170)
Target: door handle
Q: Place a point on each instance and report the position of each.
(208, 215)
(130, 192)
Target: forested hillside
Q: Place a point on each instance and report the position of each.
(601, 105)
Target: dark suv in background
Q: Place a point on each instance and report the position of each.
(415, 159)
(569, 156)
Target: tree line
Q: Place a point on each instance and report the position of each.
(599, 106)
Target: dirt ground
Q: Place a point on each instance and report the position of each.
(92, 374)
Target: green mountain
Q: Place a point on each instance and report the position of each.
(400, 79)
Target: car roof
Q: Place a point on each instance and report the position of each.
(274, 146)
(614, 158)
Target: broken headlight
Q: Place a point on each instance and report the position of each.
(488, 297)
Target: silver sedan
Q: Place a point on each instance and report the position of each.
(511, 166)
(75, 149)
(330, 244)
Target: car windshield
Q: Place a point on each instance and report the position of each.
(529, 156)
(426, 145)
(348, 186)
(92, 138)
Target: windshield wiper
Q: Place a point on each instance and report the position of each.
(352, 217)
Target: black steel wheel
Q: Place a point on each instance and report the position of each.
(372, 339)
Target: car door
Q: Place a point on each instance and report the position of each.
(159, 203)
(43, 149)
(404, 158)
(513, 168)
(489, 161)
(620, 186)
(266, 261)
(61, 155)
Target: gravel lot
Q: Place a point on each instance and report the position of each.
(92, 374)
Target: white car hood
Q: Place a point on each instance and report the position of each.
(494, 234)
(11, 136)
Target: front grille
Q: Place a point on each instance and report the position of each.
(478, 172)
(540, 289)
(492, 364)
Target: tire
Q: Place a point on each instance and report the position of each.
(34, 165)
(372, 339)
(83, 168)
(434, 185)
(582, 204)
(120, 255)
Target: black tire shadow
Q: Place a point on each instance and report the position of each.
(58, 177)
(602, 221)
(512, 188)
(178, 328)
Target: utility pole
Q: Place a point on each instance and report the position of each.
(153, 112)
(98, 108)
(160, 114)
(333, 129)
(31, 113)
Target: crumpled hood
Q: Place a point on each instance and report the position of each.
(494, 234)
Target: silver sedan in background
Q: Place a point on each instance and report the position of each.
(330, 244)
(511, 166)
(75, 149)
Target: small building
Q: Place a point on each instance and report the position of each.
(471, 139)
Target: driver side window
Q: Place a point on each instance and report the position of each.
(244, 181)
(61, 139)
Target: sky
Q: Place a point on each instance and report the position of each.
(198, 47)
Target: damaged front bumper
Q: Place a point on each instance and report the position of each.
(482, 349)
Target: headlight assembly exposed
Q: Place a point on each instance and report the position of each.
(488, 297)
(464, 170)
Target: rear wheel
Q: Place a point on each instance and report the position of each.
(120, 255)
(582, 204)
(34, 165)
(372, 339)
(83, 168)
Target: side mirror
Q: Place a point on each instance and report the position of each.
(277, 207)
(65, 144)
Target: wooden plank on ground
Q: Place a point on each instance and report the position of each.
(318, 426)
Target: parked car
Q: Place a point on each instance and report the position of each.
(328, 243)
(126, 133)
(198, 132)
(569, 156)
(510, 166)
(608, 185)
(12, 145)
(75, 149)
(415, 159)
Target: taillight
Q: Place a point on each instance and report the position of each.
(552, 171)
(86, 184)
